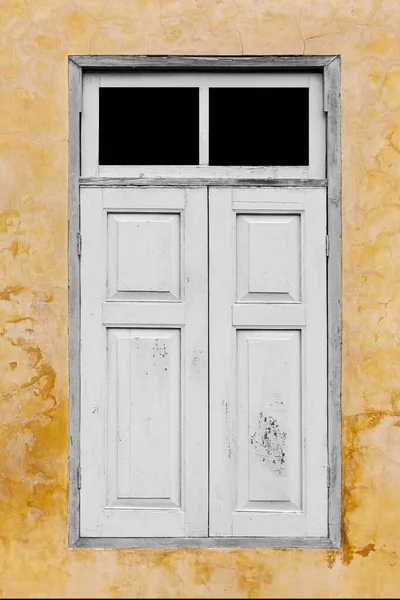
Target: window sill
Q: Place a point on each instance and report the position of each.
(209, 542)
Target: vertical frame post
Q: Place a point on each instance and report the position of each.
(75, 110)
(332, 104)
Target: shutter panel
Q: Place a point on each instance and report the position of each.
(268, 362)
(144, 362)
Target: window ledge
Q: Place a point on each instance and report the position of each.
(209, 542)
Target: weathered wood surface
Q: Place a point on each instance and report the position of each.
(75, 98)
(214, 63)
(333, 95)
(211, 542)
(195, 182)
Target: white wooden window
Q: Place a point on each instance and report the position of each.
(203, 309)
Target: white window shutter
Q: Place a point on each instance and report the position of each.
(268, 362)
(144, 363)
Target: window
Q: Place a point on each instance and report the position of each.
(203, 307)
(149, 126)
(259, 126)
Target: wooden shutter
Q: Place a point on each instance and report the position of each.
(268, 362)
(144, 362)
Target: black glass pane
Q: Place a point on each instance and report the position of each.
(149, 126)
(258, 126)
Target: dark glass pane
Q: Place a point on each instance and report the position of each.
(149, 126)
(258, 126)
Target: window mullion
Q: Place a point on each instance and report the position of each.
(203, 124)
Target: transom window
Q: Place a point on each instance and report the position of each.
(267, 125)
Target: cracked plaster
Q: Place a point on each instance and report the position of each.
(37, 36)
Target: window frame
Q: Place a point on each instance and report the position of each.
(330, 67)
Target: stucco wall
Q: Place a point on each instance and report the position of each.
(36, 37)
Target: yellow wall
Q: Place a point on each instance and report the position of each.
(35, 38)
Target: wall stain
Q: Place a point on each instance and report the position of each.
(366, 551)
(11, 291)
(16, 248)
(253, 576)
(7, 219)
(352, 469)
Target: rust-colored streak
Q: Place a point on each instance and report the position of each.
(366, 551)
(352, 472)
(11, 291)
(353, 427)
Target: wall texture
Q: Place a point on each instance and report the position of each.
(36, 37)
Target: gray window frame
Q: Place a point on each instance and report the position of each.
(330, 66)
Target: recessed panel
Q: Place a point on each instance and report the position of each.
(259, 126)
(144, 406)
(268, 258)
(149, 126)
(144, 257)
(269, 420)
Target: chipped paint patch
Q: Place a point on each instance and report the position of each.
(160, 349)
(269, 442)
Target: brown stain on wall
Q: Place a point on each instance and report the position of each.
(10, 291)
(366, 550)
(351, 476)
(37, 37)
